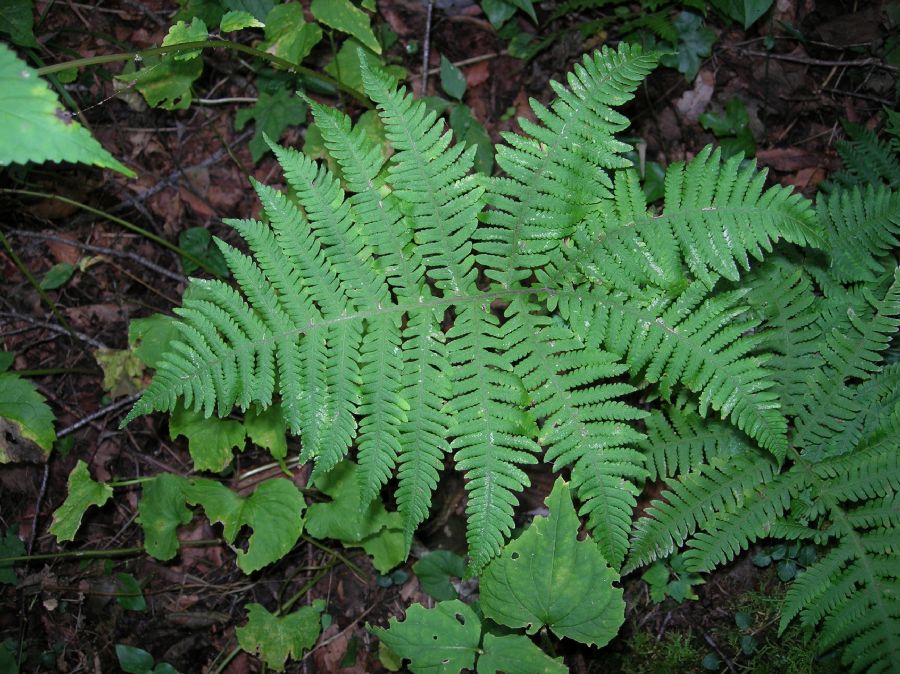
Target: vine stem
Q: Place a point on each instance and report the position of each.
(112, 218)
(205, 44)
(101, 554)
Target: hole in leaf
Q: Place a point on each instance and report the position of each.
(515, 555)
(434, 636)
(460, 618)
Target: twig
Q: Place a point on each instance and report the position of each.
(134, 257)
(471, 61)
(112, 407)
(227, 99)
(855, 94)
(37, 508)
(346, 629)
(53, 327)
(426, 48)
(708, 639)
(826, 63)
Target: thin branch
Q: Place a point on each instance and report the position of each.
(103, 411)
(54, 328)
(825, 63)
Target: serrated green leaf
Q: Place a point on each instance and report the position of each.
(10, 546)
(210, 441)
(274, 113)
(453, 82)
(516, 654)
(275, 638)
(131, 597)
(274, 511)
(26, 421)
(695, 42)
(559, 581)
(183, 32)
(57, 275)
(745, 12)
(161, 511)
(442, 640)
(150, 337)
(266, 428)
(342, 517)
(165, 82)
(35, 127)
(17, 21)
(435, 570)
(344, 16)
(123, 371)
(83, 492)
(234, 20)
(288, 35)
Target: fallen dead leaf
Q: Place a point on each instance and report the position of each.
(694, 102)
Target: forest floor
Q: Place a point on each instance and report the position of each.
(192, 171)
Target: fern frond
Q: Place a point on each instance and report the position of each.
(853, 355)
(679, 440)
(698, 340)
(558, 171)
(863, 231)
(784, 297)
(868, 160)
(699, 499)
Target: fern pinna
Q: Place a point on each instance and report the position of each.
(415, 311)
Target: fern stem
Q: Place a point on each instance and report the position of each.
(112, 218)
(292, 68)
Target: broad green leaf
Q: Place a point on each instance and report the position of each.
(343, 517)
(274, 511)
(131, 597)
(210, 11)
(386, 547)
(288, 35)
(526, 6)
(134, 660)
(516, 654)
(345, 67)
(257, 8)
(234, 20)
(35, 127)
(344, 16)
(183, 32)
(435, 570)
(745, 12)
(17, 21)
(199, 242)
(165, 82)
(6, 360)
(161, 511)
(10, 546)
(149, 337)
(559, 581)
(123, 371)
(267, 429)
(472, 132)
(695, 42)
(210, 441)
(276, 638)
(83, 492)
(497, 11)
(442, 640)
(274, 113)
(26, 421)
(57, 275)
(453, 82)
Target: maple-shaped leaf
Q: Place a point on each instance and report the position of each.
(548, 577)
(83, 493)
(274, 511)
(275, 638)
